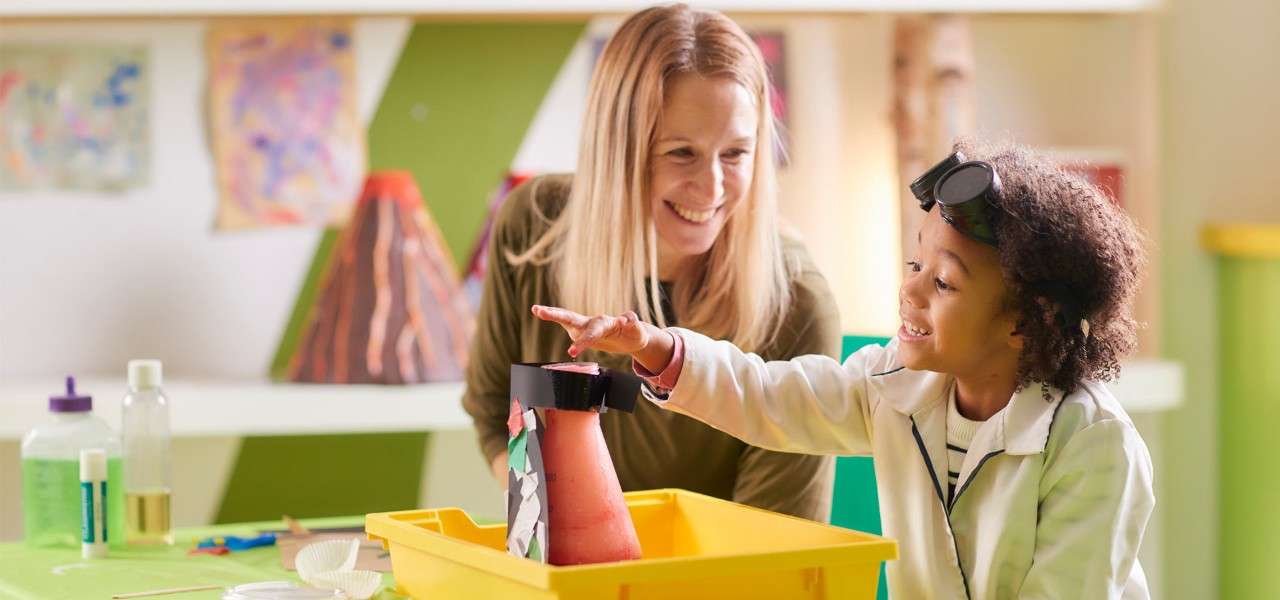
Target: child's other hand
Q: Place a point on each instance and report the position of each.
(624, 334)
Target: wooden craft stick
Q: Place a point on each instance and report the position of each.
(181, 590)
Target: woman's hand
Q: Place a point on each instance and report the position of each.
(625, 334)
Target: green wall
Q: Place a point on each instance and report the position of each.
(1249, 421)
(454, 112)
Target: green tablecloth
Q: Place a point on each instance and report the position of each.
(29, 574)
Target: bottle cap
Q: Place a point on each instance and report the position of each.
(70, 402)
(145, 374)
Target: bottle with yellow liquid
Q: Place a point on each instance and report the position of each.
(145, 433)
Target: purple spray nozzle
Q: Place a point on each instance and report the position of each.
(71, 401)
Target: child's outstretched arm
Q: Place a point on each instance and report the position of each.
(810, 404)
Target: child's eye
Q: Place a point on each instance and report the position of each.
(941, 285)
(915, 266)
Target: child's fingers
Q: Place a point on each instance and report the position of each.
(595, 333)
(564, 317)
(595, 329)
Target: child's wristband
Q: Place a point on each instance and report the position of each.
(667, 377)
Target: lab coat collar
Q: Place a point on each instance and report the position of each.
(1020, 428)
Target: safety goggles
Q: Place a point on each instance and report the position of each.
(965, 192)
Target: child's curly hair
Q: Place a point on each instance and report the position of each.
(1067, 254)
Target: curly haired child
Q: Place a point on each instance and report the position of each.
(1005, 468)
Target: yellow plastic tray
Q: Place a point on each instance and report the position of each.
(693, 546)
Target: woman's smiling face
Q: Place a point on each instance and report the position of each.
(702, 163)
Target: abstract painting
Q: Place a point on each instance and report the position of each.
(287, 145)
(73, 117)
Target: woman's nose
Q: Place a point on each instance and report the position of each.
(710, 182)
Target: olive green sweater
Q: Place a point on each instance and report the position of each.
(651, 448)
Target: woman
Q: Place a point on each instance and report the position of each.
(675, 185)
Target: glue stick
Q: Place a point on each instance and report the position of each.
(93, 503)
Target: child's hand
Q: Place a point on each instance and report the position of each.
(625, 334)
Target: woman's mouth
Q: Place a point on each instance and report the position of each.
(697, 217)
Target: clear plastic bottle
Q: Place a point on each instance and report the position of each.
(145, 432)
(51, 473)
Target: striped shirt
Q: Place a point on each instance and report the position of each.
(959, 435)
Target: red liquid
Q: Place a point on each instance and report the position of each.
(589, 520)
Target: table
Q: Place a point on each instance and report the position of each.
(48, 574)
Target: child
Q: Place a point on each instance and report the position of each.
(1005, 469)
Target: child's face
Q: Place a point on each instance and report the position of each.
(952, 305)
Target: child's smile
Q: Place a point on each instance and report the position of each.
(952, 304)
(910, 332)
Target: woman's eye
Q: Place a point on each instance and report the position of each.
(914, 266)
(734, 154)
(681, 153)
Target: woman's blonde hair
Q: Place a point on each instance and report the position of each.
(606, 232)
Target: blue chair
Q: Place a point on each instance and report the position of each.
(855, 503)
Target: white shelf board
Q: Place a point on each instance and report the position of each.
(227, 408)
(222, 408)
(176, 8)
(1146, 385)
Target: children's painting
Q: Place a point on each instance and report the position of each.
(287, 144)
(73, 117)
(1109, 177)
(772, 45)
(1102, 167)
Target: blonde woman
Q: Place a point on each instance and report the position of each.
(675, 185)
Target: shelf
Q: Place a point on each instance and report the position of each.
(209, 408)
(227, 408)
(1146, 386)
(188, 8)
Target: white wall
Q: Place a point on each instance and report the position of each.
(90, 281)
(840, 189)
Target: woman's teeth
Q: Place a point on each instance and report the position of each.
(696, 216)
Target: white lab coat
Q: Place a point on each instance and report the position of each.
(1052, 499)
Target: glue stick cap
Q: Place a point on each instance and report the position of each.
(145, 374)
(93, 464)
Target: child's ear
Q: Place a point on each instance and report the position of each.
(1016, 340)
(1013, 325)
